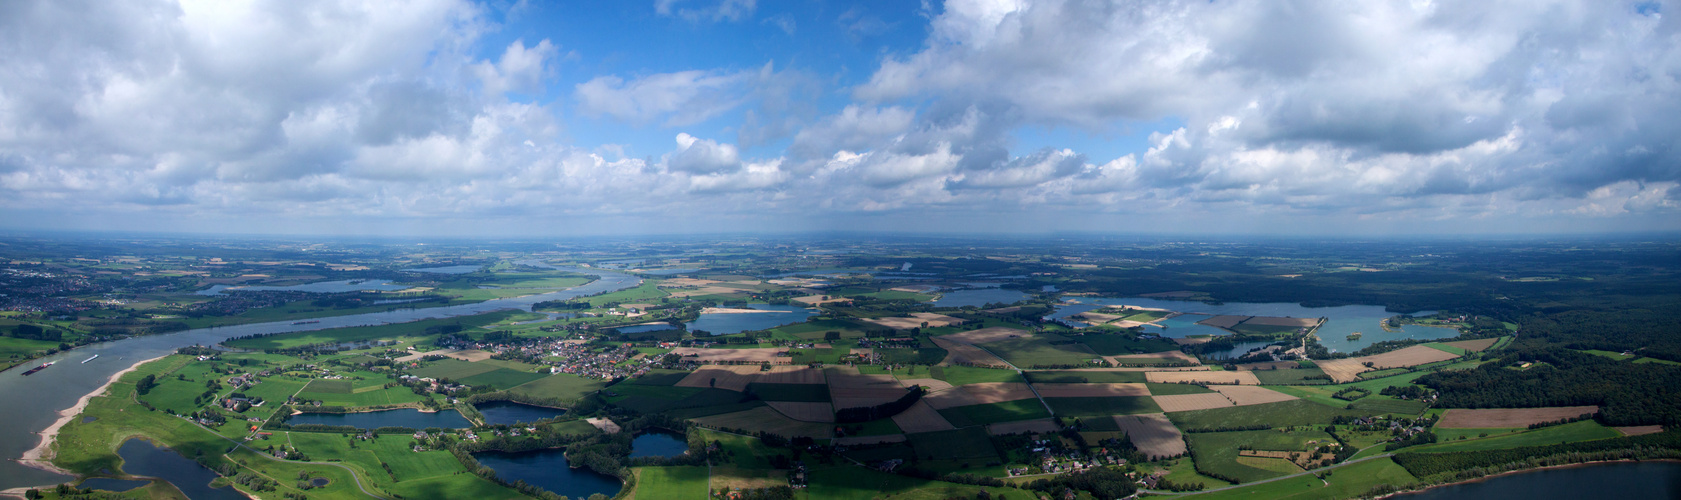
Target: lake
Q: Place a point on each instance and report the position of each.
(340, 286)
(1340, 321)
(547, 469)
(36, 400)
(658, 444)
(140, 458)
(111, 484)
(645, 328)
(978, 298)
(509, 412)
(1613, 481)
(407, 417)
(728, 323)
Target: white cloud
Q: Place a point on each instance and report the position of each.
(723, 10)
(702, 156)
(683, 98)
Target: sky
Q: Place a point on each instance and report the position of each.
(459, 118)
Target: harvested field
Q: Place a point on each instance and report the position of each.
(1090, 390)
(1152, 434)
(861, 440)
(931, 383)
(859, 397)
(1223, 321)
(1411, 356)
(734, 378)
(804, 412)
(1141, 369)
(790, 375)
(1208, 377)
(1188, 402)
(605, 425)
(1243, 395)
(1276, 321)
(467, 355)
(1003, 310)
(763, 355)
(985, 335)
(1509, 417)
(981, 393)
(1344, 370)
(1192, 340)
(958, 353)
(686, 282)
(915, 320)
(817, 300)
(1036, 426)
(922, 418)
(849, 377)
(766, 419)
(1165, 355)
(1639, 430)
(1095, 318)
(1478, 345)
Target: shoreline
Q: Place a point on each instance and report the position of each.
(40, 457)
(1404, 494)
(721, 310)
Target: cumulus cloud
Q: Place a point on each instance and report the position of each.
(702, 156)
(722, 10)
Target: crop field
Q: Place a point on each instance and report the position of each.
(858, 483)
(659, 376)
(790, 392)
(1121, 343)
(1223, 321)
(733, 378)
(754, 355)
(768, 420)
(511, 365)
(452, 369)
(502, 378)
(1081, 377)
(918, 356)
(1298, 376)
(1176, 389)
(1102, 406)
(1217, 452)
(986, 335)
(1510, 417)
(956, 444)
(961, 353)
(964, 375)
(1153, 434)
(351, 334)
(921, 418)
(1038, 350)
(1478, 345)
(1386, 404)
(982, 414)
(368, 396)
(1090, 390)
(677, 483)
(1244, 395)
(815, 330)
(980, 393)
(1192, 401)
(1281, 414)
(1042, 425)
(804, 412)
(1209, 377)
(561, 386)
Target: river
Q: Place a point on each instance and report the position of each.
(33, 402)
(1612, 481)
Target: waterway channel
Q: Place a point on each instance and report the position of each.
(33, 402)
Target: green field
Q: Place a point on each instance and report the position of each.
(1073, 377)
(338, 386)
(391, 331)
(962, 375)
(1096, 407)
(1038, 350)
(1344, 482)
(1008, 411)
(1575, 431)
(905, 356)
(677, 483)
(1386, 404)
(659, 376)
(845, 482)
(1297, 376)
(502, 378)
(559, 387)
(451, 369)
(1281, 414)
(365, 396)
(1217, 452)
(957, 444)
(1124, 343)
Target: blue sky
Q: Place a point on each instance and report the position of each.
(453, 117)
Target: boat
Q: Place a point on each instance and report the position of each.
(85, 361)
(306, 322)
(39, 368)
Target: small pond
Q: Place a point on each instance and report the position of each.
(547, 469)
(509, 412)
(658, 444)
(407, 417)
(727, 323)
(140, 458)
(978, 298)
(111, 484)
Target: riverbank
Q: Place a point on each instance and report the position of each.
(1404, 494)
(40, 457)
(721, 310)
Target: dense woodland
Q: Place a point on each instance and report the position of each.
(1629, 393)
